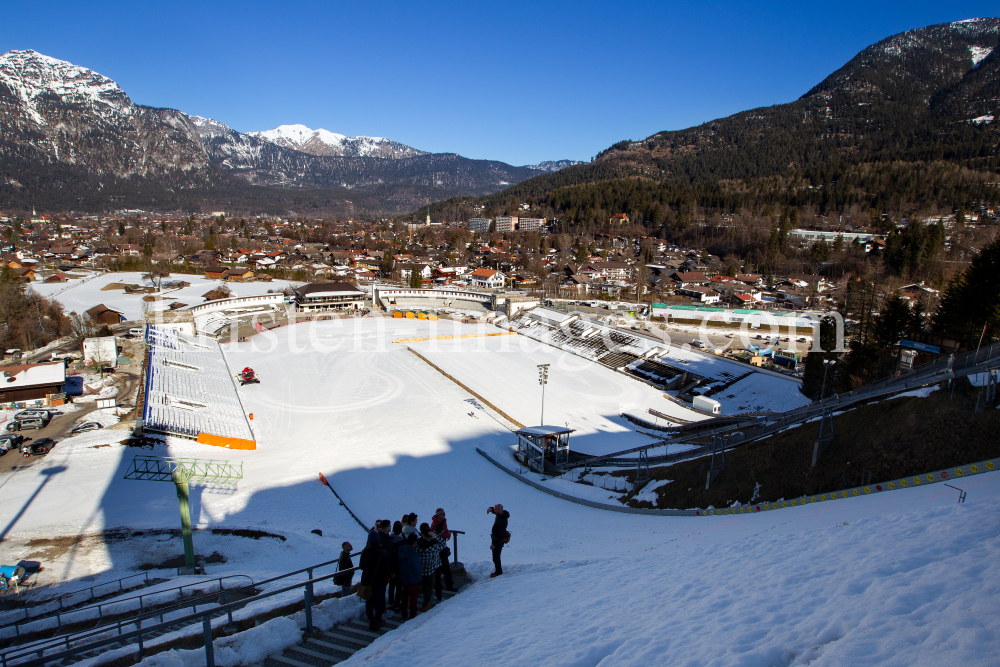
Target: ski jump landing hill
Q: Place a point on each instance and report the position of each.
(901, 578)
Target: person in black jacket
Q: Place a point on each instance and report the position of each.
(395, 593)
(374, 564)
(498, 536)
(385, 538)
(345, 563)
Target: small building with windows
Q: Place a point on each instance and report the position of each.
(539, 447)
(320, 297)
(101, 351)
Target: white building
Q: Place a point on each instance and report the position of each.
(487, 278)
(101, 351)
(506, 223)
(329, 296)
(530, 224)
(810, 236)
(480, 225)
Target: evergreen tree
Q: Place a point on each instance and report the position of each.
(972, 300)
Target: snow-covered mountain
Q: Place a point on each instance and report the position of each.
(325, 143)
(77, 136)
(52, 111)
(553, 165)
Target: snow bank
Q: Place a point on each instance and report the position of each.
(648, 493)
(832, 586)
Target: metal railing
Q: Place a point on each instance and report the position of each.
(100, 607)
(738, 430)
(59, 598)
(64, 645)
(204, 617)
(454, 536)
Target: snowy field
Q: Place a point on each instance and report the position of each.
(84, 293)
(760, 391)
(904, 578)
(580, 394)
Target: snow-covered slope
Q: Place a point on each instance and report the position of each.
(54, 111)
(907, 580)
(32, 77)
(900, 578)
(553, 165)
(324, 142)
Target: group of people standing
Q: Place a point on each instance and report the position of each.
(401, 560)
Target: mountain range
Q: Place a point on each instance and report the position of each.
(930, 94)
(72, 138)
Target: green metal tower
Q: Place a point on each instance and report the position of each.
(183, 473)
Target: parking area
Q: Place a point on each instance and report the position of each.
(57, 428)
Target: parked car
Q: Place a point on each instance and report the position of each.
(135, 331)
(697, 343)
(9, 442)
(86, 426)
(39, 447)
(33, 412)
(27, 423)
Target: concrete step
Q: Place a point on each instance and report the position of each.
(316, 654)
(334, 647)
(340, 637)
(289, 661)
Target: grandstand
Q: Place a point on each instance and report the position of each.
(459, 301)
(190, 391)
(740, 388)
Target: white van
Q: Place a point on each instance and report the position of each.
(136, 331)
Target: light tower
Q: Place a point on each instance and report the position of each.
(183, 472)
(543, 379)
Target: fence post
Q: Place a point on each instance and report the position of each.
(206, 624)
(309, 602)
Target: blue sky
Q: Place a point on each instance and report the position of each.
(518, 82)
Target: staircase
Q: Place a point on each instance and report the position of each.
(323, 649)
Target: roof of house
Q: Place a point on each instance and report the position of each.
(101, 308)
(484, 273)
(701, 290)
(691, 277)
(327, 289)
(32, 375)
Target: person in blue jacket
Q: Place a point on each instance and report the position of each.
(410, 576)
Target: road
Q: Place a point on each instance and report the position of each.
(60, 425)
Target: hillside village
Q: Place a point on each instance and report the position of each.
(618, 263)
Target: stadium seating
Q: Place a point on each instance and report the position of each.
(189, 388)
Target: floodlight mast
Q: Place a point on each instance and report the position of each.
(183, 473)
(543, 379)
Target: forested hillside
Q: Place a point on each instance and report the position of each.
(907, 123)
